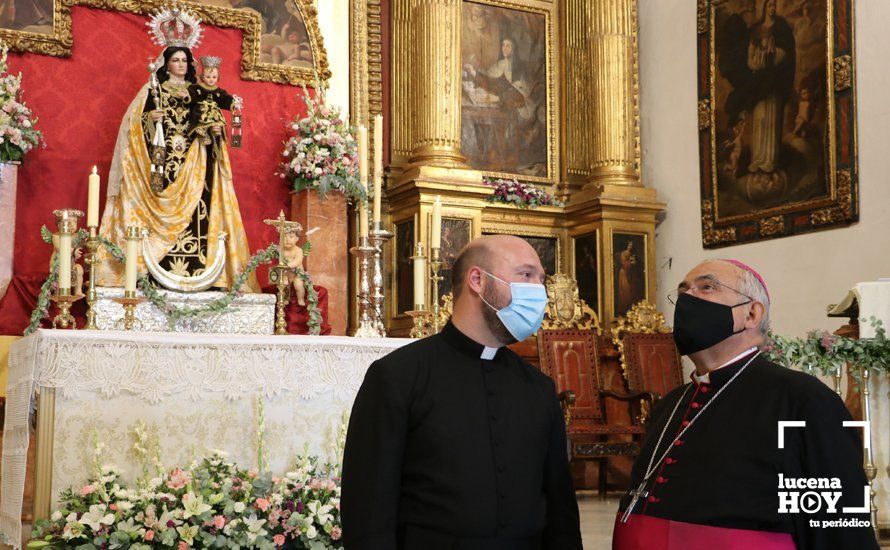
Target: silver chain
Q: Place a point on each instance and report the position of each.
(651, 469)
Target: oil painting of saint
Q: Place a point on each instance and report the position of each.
(504, 90)
(771, 112)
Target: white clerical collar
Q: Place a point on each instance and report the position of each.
(706, 377)
(489, 353)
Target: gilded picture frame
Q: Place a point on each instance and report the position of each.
(777, 118)
(547, 244)
(60, 41)
(544, 81)
(630, 270)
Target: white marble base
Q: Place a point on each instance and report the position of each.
(248, 314)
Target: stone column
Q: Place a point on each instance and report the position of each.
(436, 93)
(602, 92)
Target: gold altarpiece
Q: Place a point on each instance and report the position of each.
(591, 114)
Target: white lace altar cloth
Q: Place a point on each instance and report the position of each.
(250, 313)
(198, 391)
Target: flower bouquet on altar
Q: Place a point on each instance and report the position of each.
(211, 504)
(18, 135)
(321, 152)
(522, 195)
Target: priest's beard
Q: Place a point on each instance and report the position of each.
(490, 316)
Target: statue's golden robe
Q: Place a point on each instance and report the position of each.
(131, 201)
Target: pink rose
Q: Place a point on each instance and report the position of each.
(87, 490)
(278, 540)
(262, 504)
(112, 507)
(336, 533)
(179, 479)
(149, 535)
(183, 545)
(219, 521)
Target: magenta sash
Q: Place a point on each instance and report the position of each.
(643, 532)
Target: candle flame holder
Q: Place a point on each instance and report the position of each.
(91, 260)
(434, 266)
(64, 319)
(377, 238)
(129, 320)
(422, 321)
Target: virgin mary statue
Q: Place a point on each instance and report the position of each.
(184, 198)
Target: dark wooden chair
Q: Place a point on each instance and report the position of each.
(569, 357)
(652, 363)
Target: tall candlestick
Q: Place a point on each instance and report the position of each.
(65, 263)
(133, 236)
(378, 165)
(436, 235)
(93, 200)
(420, 280)
(363, 219)
(363, 178)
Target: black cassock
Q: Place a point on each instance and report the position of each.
(446, 449)
(724, 471)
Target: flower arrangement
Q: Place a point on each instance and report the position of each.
(321, 152)
(210, 504)
(18, 135)
(523, 195)
(826, 353)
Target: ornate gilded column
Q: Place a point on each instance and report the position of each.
(435, 63)
(602, 92)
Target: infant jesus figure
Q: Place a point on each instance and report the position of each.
(209, 101)
(292, 254)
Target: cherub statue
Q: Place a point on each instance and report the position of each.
(293, 254)
(76, 268)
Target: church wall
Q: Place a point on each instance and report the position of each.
(333, 21)
(806, 272)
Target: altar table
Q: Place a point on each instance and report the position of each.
(198, 392)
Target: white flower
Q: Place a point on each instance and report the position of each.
(57, 516)
(97, 517)
(124, 506)
(239, 507)
(311, 532)
(188, 533)
(193, 505)
(129, 527)
(321, 513)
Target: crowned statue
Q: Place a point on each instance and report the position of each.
(171, 175)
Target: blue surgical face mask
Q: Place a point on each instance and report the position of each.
(523, 316)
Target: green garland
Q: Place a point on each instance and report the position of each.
(174, 313)
(826, 353)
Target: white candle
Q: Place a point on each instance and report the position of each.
(436, 240)
(419, 281)
(363, 157)
(378, 165)
(363, 218)
(65, 263)
(131, 258)
(93, 200)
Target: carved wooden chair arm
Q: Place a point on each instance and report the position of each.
(645, 399)
(566, 399)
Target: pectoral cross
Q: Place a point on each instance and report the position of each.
(639, 493)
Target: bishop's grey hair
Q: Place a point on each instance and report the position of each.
(750, 286)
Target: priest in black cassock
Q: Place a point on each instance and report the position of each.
(454, 441)
(711, 473)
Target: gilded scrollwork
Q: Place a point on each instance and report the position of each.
(644, 318)
(843, 73)
(565, 308)
(772, 226)
(60, 42)
(710, 235)
(702, 13)
(704, 113)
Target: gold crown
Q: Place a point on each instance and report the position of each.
(211, 62)
(175, 27)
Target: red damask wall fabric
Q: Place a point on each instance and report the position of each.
(80, 102)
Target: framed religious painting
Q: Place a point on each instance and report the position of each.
(777, 118)
(508, 90)
(629, 271)
(547, 247)
(586, 266)
(281, 39)
(456, 234)
(404, 268)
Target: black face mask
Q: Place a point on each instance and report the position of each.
(700, 324)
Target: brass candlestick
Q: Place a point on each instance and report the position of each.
(364, 252)
(91, 260)
(129, 301)
(278, 277)
(871, 470)
(64, 301)
(434, 266)
(378, 237)
(422, 318)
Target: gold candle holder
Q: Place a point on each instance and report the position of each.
(422, 321)
(871, 470)
(130, 300)
(434, 266)
(365, 252)
(278, 277)
(377, 238)
(64, 301)
(91, 260)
